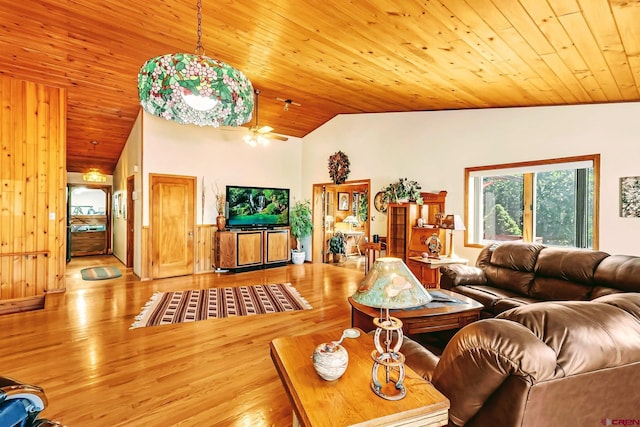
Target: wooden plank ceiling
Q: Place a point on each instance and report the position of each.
(332, 56)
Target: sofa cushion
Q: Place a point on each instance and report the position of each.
(619, 272)
(516, 256)
(570, 264)
(505, 304)
(599, 291)
(512, 266)
(507, 279)
(485, 295)
(600, 335)
(629, 302)
(555, 289)
(460, 274)
(484, 257)
(565, 274)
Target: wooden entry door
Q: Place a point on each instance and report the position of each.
(172, 225)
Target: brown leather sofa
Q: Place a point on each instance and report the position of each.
(562, 363)
(513, 274)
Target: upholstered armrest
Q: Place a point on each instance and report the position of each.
(20, 404)
(12, 389)
(484, 354)
(459, 274)
(418, 358)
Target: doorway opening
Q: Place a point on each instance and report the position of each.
(89, 220)
(341, 208)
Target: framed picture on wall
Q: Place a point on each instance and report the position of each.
(630, 197)
(116, 205)
(343, 201)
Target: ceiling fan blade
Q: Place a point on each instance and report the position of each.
(275, 136)
(290, 102)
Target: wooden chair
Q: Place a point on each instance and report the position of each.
(371, 253)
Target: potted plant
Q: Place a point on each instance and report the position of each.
(301, 226)
(337, 245)
(402, 190)
(363, 207)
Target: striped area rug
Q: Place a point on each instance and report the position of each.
(166, 308)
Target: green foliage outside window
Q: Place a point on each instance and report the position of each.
(559, 220)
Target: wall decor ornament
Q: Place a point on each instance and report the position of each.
(339, 167)
(630, 197)
(380, 203)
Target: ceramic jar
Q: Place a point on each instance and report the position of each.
(330, 361)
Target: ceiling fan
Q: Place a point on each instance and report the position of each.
(259, 135)
(288, 103)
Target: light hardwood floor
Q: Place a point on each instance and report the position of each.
(98, 372)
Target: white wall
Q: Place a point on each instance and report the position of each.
(218, 156)
(130, 159)
(433, 148)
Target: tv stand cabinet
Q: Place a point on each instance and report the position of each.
(242, 250)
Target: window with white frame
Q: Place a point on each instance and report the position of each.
(554, 202)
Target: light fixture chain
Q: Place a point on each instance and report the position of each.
(257, 92)
(199, 47)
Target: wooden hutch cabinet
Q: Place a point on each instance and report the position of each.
(405, 239)
(401, 218)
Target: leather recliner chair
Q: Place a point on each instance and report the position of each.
(555, 363)
(20, 404)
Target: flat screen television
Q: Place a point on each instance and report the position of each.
(251, 207)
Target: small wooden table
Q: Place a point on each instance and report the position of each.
(434, 263)
(353, 247)
(349, 400)
(422, 320)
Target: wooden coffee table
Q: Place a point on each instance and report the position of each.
(349, 400)
(423, 320)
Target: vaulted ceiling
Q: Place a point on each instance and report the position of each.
(332, 56)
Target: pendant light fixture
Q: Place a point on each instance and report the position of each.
(94, 175)
(195, 89)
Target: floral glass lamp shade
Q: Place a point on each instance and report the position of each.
(389, 285)
(195, 89)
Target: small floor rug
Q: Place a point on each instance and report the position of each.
(165, 308)
(100, 273)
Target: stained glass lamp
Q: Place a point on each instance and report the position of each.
(389, 285)
(195, 89)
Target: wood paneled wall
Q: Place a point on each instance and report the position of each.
(204, 256)
(32, 193)
(204, 248)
